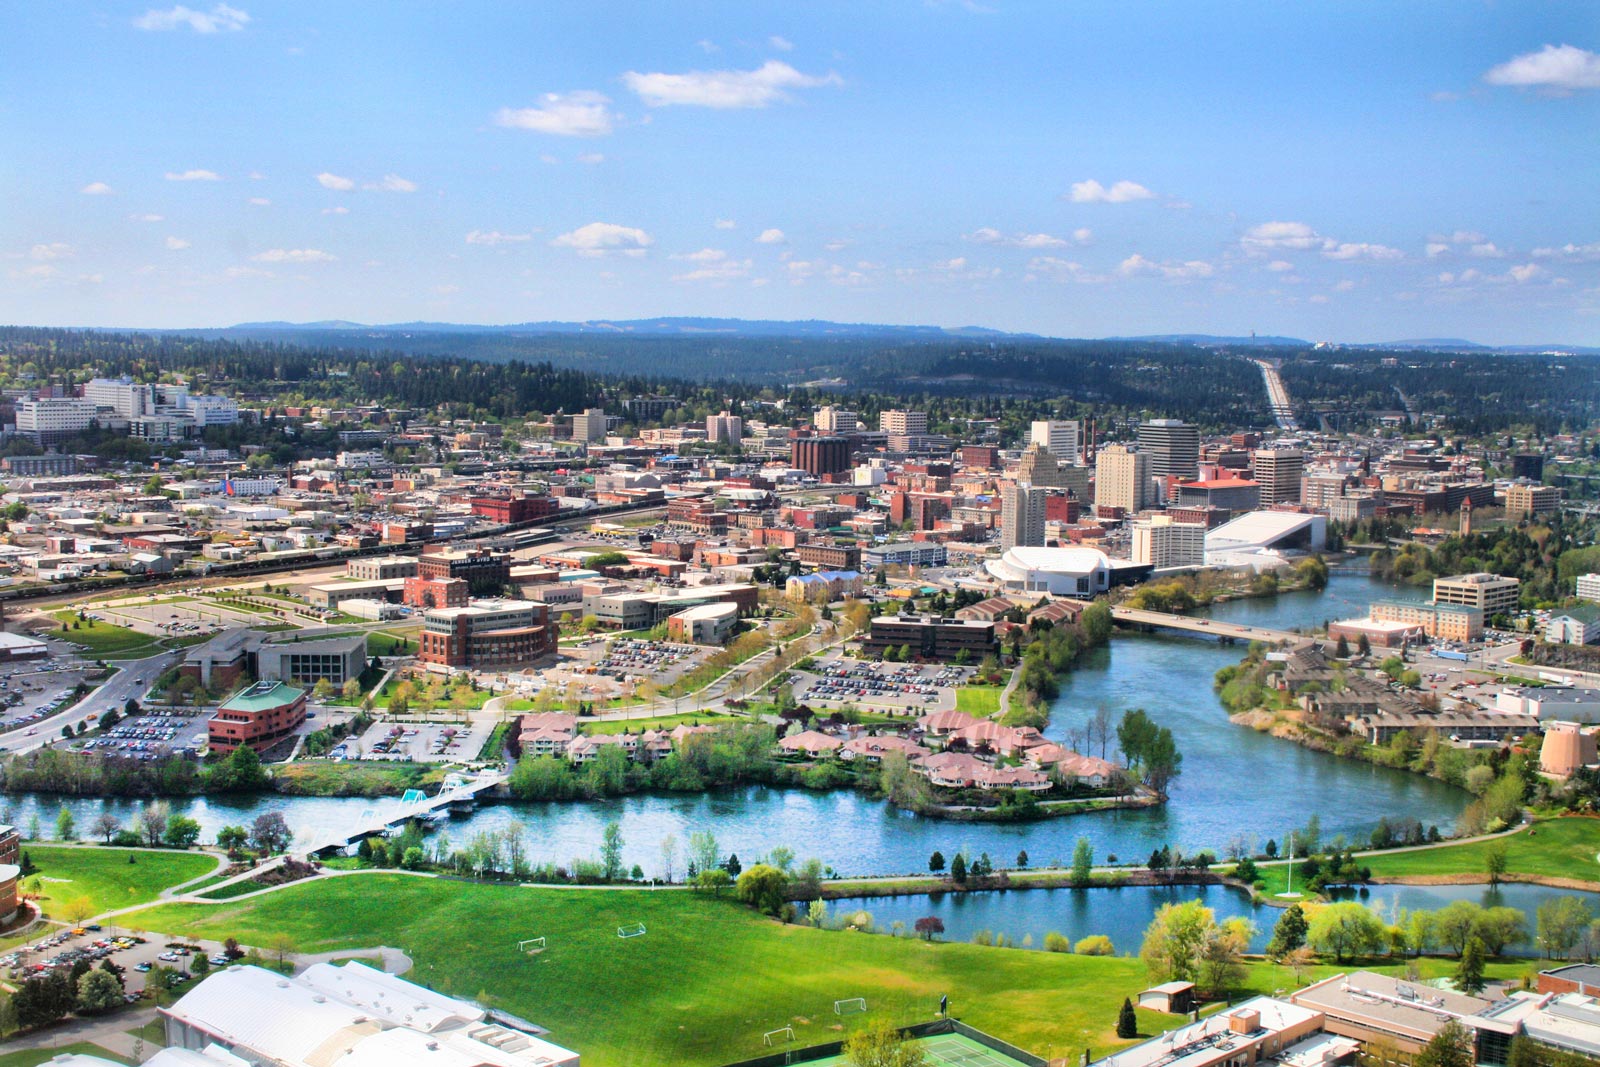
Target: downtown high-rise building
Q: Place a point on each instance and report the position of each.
(1022, 515)
(1278, 471)
(1063, 437)
(903, 423)
(1173, 447)
(836, 421)
(1121, 478)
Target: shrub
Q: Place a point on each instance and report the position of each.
(1095, 945)
(1054, 942)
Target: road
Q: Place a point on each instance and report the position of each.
(132, 679)
(1207, 627)
(1277, 396)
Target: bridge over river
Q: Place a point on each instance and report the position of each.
(458, 790)
(1208, 627)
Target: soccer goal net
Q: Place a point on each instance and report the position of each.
(531, 944)
(785, 1033)
(850, 1006)
(631, 930)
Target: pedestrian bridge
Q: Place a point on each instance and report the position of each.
(457, 789)
(1230, 631)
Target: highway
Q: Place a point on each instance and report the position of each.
(1277, 396)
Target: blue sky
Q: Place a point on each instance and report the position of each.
(1350, 171)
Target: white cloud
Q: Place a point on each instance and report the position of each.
(591, 158)
(1488, 250)
(988, 235)
(1137, 264)
(782, 44)
(96, 189)
(1123, 192)
(147, 218)
(1436, 249)
(1083, 235)
(37, 272)
(222, 17)
(707, 46)
(712, 265)
(176, 244)
(724, 224)
(339, 210)
(599, 238)
(1349, 250)
(193, 176)
(1319, 298)
(495, 237)
(1556, 68)
(53, 250)
(1267, 235)
(294, 255)
(767, 84)
(1525, 272)
(246, 272)
(1055, 267)
(772, 237)
(392, 183)
(705, 255)
(1344, 287)
(335, 182)
(1280, 266)
(584, 113)
(1571, 252)
(838, 244)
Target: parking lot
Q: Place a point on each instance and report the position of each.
(897, 687)
(418, 742)
(134, 954)
(660, 661)
(170, 618)
(148, 737)
(31, 692)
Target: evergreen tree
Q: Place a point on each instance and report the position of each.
(958, 868)
(1290, 932)
(936, 861)
(1469, 972)
(1127, 1021)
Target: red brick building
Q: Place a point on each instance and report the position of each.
(483, 571)
(488, 634)
(435, 593)
(514, 509)
(259, 717)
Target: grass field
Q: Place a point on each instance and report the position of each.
(1552, 848)
(979, 700)
(383, 642)
(708, 978)
(31, 1057)
(103, 638)
(660, 722)
(370, 778)
(105, 876)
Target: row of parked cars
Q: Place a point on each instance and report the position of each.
(20, 965)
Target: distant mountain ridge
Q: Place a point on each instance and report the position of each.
(822, 329)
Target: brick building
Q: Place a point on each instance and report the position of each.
(487, 634)
(514, 509)
(427, 593)
(259, 717)
(484, 571)
(930, 636)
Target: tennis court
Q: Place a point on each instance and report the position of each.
(945, 1050)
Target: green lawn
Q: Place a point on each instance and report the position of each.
(383, 642)
(1553, 848)
(660, 722)
(979, 700)
(105, 876)
(103, 638)
(364, 778)
(708, 978)
(35, 1056)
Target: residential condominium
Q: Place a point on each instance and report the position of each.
(903, 423)
(1489, 593)
(724, 428)
(1121, 478)
(1021, 515)
(1173, 446)
(1589, 587)
(1526, 501)
(1163, 543)
(1063, 437)
(1278, 470)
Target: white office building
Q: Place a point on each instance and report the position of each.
(50, 419)
(1163, 543)
(835, 421)
(1063, 437)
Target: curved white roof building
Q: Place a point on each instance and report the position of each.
(1076, 572)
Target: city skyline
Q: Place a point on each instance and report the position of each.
(1307, 171)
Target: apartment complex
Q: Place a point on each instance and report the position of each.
(903, 423)
(835, 421)
(1441, 622)
(724, 428)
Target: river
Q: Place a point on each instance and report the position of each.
(1234, 781)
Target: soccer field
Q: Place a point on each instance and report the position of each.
(945, 1050)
